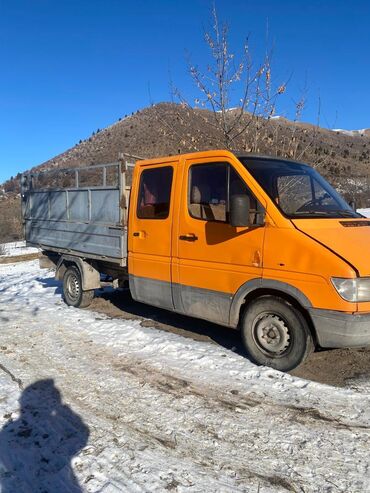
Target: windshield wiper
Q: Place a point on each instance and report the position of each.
(310, 213)
(331, 212)
(345, 213)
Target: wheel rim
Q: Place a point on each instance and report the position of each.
(271, 334)
(73, 287)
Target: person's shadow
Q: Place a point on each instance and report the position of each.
(36, 449)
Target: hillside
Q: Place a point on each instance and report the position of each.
(343, 157)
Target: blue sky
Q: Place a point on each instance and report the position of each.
(69, 67)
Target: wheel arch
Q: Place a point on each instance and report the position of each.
(89, 275)
(257, 288)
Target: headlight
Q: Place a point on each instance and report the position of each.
(355, 290)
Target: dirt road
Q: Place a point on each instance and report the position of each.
(339, 367)
(119, 407)
(153, 431)
(19, 258)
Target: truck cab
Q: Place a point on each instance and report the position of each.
(257, 243)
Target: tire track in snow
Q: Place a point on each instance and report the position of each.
(156, 419)
(67, 343)
(18, 381)
(143, 436)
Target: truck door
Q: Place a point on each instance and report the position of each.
(213, 259)
(150, 230)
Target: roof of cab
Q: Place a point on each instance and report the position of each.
(189, 155)
(263, 157)
(218, 153)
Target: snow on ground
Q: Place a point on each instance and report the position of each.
(364, 212)
(93, 404)
(351, 133)
(16, 248)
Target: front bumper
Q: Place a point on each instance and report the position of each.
(338, 329)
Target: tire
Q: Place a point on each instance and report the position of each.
(275, 333)
(72, 289)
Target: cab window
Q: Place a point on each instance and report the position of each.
(210, 188)
(155, 193)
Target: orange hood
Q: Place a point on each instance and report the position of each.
(349, 238)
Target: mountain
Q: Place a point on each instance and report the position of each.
(343, 157)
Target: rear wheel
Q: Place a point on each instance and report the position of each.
(72, 289)
(275, 333)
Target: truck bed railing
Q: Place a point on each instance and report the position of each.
(78, 210)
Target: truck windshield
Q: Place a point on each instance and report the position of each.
(298, 190)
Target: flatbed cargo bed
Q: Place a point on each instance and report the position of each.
(79, 211)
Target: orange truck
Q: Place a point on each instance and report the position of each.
(259, 244)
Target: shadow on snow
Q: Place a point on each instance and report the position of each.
(37, 448)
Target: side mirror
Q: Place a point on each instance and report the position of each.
(239, 210)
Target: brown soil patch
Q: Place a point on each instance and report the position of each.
(337, 367)
(19, 258)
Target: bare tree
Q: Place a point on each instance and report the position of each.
(238, 92)
(237, 102)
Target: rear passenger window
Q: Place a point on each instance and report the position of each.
(210, 188)
(155, 193)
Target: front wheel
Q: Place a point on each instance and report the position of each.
(275, 334)
(72, 289)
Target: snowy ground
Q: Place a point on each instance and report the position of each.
(16, 248)
(94, 404)
(364, 212)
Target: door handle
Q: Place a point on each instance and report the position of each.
(188, 237)
(139, 234)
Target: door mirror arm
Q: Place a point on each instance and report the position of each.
(260, 215)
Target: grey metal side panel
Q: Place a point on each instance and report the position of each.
(78, 204)
(151, 291)
(202, 303)
(260, 283)
(105, 206)
(39, 205)
(58, 206)
(83, 221)
(79, 237)
(188, 300)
